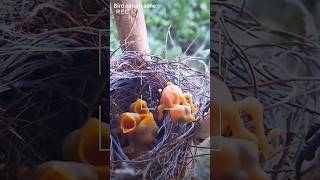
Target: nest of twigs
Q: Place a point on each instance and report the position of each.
(49, 81)
(278, 67)
(134, 75)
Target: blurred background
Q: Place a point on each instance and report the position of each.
(285, 14)
(280, 40)
(188, 22)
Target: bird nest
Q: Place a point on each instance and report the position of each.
(49, 82)
(278, 67)
(134, 75)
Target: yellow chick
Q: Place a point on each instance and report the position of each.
(58, 170)
(179, 112)
(173, 98)
(224, 108)
(238, 159)
(83, 145)
(140, 127)
(140, 107)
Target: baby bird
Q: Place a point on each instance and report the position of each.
(58, 170)
(140, 107)
(226, 111)
(82, 145)
(181, 112)
(140, 126)
(178, 103)
(238, 159)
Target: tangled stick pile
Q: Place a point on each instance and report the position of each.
(49, 83)
(132, 77)
(280, 68)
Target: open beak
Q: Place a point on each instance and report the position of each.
(129, 121)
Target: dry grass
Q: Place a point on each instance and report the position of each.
(280, 68)
(49, 83)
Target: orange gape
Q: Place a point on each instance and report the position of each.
(178, 103)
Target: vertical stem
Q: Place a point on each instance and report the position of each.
(130, 25)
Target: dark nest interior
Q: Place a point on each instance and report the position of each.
(134, 75)
(49, 81)
(282, 70)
